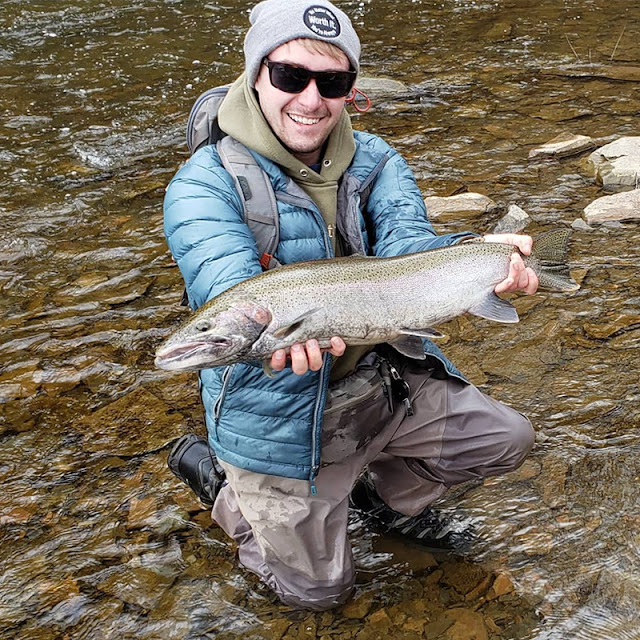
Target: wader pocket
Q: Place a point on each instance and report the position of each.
(355, 412)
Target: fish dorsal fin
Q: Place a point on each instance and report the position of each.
(287, 329)
(493, 308)
(423, 333)
(410, 346)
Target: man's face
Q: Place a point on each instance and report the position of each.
(302, 121)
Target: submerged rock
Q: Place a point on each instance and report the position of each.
(467, 625)
(610, 71)
(617, 164)
(358, 607)
(377, 87)
(139, 586)
(620, 206)
(611, 325)
(566, 144)
(501, 586)
(462, 205)
(515, 220)
(499, 32)
(580, 225)
(136, 423)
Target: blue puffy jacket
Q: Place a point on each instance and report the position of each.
(273, 425)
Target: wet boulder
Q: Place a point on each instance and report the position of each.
(462, 205)
(580, 225)
(515, 220)
(566, 144)
(617, 164)
(381, 87)
(620, 206)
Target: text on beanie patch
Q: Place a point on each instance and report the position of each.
(322, 22)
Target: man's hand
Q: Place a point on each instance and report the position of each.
(306, 356)
(520, 278)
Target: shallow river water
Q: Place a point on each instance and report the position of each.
(98, 539)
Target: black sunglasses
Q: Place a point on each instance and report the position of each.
(292, 79)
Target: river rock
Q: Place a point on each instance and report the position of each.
(610, 71)
(566, 144)
(619, 206)
(515, 220)
(138, 586)
(381, 87)
(18, 515)
(275, 629)
(553, 479)
(462, 576)
(501, 586)
(534, 543)
(147, 513)
(610, 325)
(358, 607)
(580, 225)
(463, 205)
(136, 423)
(499, 32)
(417, 558)
(467, 625)
(617, 164)
(379, 620)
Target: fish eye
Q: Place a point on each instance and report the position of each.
(203, 325)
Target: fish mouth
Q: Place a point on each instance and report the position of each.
(189, 356)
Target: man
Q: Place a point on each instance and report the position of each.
(290, 448)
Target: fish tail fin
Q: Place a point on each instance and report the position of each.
(549, 260)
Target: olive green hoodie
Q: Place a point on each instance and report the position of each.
(240, 117)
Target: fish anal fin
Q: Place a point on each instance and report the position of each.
(410, 346)
(493, 308)
(290, 327)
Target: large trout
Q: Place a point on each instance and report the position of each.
(364, 300)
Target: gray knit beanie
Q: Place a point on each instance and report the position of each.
(274, 22)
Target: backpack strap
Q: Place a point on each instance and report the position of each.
(202, 126)
(258, 199)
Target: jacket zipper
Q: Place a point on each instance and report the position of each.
(315, 463)
(217, 407)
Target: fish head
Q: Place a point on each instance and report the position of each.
(213, 337)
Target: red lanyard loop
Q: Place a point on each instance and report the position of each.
(353, 97)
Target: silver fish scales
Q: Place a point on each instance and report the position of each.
(364, 300)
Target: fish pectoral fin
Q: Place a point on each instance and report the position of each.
(266, 367)
(287, 329)
(410, 346)
(423, 333)
(494, 308)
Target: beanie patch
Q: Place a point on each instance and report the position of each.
(322, 22)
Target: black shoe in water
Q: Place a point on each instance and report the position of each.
(193, 462)
(430, 528)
